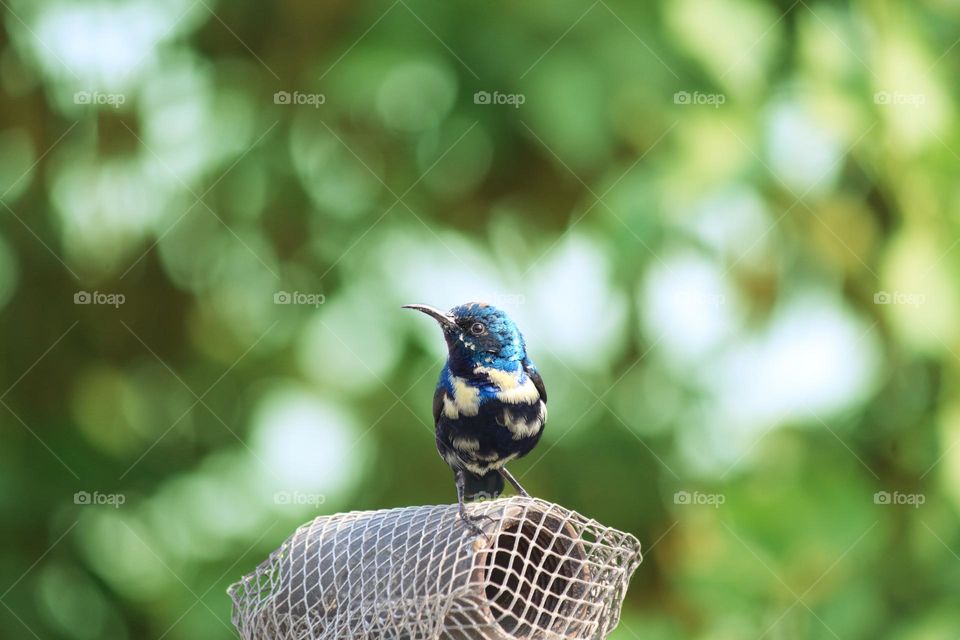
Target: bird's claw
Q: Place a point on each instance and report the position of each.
(471, 523)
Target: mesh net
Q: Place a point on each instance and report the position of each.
(540, 571)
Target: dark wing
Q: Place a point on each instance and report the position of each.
(537, 380)
(438, 403)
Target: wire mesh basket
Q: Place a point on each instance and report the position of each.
(540, 571)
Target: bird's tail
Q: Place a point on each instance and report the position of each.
(485, 487)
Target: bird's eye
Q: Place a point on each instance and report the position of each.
(477, 328)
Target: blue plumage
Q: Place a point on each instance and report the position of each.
(490, 403)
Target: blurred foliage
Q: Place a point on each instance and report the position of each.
(727, 228)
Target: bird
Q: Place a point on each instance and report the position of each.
(490, 404)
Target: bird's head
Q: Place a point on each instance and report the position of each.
(478, 334)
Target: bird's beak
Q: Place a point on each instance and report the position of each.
(446, 322)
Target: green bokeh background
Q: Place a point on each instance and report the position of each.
(727, 228)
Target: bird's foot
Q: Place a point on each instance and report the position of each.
(471, 523)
